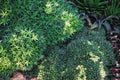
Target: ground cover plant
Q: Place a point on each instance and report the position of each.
(84, 58)
(30, 29)
(107, 18)
(31, 26)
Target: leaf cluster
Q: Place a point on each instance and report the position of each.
(31, 26)
(20, 50)
(88, 6)
(84, 58)
(113, 8)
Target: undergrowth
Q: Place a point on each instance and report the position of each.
(27, 27)
(84, 58)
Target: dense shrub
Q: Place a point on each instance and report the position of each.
(85, 58)
(94, 53)
(21, 50)
(56, 19)
(26, 21)
(63, 25)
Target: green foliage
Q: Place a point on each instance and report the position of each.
(94, 53)
(113, 8)
(55, 18)
(94, 6)
(20, 51)
(85, 58)
(23, 24)
(5, 11)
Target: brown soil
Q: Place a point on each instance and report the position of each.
(18, 75)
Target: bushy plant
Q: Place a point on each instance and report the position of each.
(23, 41)
(55, 18)
(91, 6)
(85, 58)
(94, 53)
(20, 50)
